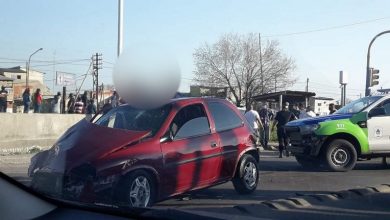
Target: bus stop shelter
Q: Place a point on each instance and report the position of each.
(278, 98)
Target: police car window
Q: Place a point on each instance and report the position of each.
(190, 121)
(224, 117)
(386, 106)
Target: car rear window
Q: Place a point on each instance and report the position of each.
(224, 117)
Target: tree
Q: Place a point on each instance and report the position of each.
(234, 61)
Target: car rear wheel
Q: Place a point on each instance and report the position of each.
(340, 155)
(247, 175)
(138, 189)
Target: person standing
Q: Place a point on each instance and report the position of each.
(71, 103)
(295, 111)
(3, 99)
(310, 112)
(252, 116)
(332, 108)
(282, 117)
(90, 110)
(84, 99)
(107, 106)
(115, 99)
(302, 111)
(78, 106)
(26, 100)
(56, 103)
(37, 101)
(307, 113)
(266, 116)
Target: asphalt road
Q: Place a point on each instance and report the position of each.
(279, 178)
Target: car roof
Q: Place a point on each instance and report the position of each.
(185, 100)
(196, 99)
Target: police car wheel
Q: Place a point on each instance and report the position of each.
(340, 155)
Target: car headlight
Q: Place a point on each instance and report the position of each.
(307, 129)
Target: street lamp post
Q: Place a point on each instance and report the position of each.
(368, 62)
(28, 66)
(120, 26)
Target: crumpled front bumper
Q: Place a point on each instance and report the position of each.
(73, 186)
(304, 144)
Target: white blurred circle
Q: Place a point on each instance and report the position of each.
(146, 77)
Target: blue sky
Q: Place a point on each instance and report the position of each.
(74, 30)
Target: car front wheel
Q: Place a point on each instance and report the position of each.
(137, 190)
(247, 175)
(340, 155)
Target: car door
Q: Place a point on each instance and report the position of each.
(379, 128)
(229, 127)
(191, 156)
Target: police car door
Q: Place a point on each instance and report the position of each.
(378, 125)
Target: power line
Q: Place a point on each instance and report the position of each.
(43, 61)
(327, 28)
(61, 63)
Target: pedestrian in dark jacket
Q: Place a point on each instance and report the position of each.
(3, 99)
(26, 100)
(281, 119)
(90, 110)
(266, 117)
(71, 103)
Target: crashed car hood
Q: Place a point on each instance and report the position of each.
(316, 120)
(85, 142)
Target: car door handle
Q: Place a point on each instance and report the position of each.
(213, 144)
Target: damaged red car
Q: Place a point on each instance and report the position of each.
(134, 158)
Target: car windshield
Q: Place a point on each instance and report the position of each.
(358, 105)
(129, 118)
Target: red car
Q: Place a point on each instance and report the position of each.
(135, 157)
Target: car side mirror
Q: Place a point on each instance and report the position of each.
(376, 112)
(168, 137)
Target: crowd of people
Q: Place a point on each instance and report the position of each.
(265, 120)
(74, 105)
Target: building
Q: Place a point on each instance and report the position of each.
(320, 105)
(276, 99)
(18, 76)
(199, 91)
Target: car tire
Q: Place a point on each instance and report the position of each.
(308, 163)
(137, 189)
(247, 175)
(340, 155)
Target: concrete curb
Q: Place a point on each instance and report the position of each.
(307, 200)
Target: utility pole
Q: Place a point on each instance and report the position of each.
(343, 84)
(97, 64)
(54, 71)
(120, 26)
(63, 107)
(307, 90)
